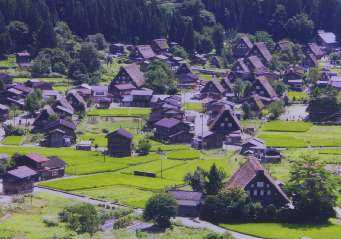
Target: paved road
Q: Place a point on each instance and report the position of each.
(209, 226)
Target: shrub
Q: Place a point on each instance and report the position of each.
(50, 222)
(160, 208)
(123, 222)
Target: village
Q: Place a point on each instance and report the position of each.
(158, 122)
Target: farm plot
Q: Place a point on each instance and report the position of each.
(121, 112)
(287, 126)
(126, 195)
(13, 140)
(110, 179)
(316, 136)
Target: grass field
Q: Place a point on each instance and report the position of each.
(297, 96)
(194, 107)
(317, 136)
(288, 231)
(286, 126)
(120, 112)
(184, 155)
(10, 62)
(12, 140)
(126, 195)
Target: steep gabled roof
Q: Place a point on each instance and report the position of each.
(133, 70)
(327, 37)
(247, 41)
(22, 172)
(161, 43)
(267, 86)
(263, 50)
(216, 84)
(121, 132)
(256, 62)
(37, 158)
(242, 177)
(315, 49)
(146, 51)
(62, 101)
(62, 122)
(167, 122)
(242, 64)
(222, 113)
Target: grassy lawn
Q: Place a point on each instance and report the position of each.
(317, 136)
(297, 96)
(126, 195)
(110, 179)
(109, 71)
(120, 112)
(27, 220)
(205, 77)
(288, 231)
(286, 126)
(184, 155)
(10, 62)
(194, 107)
(13, 140)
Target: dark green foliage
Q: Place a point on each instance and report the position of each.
(218, 236)
(313, 190)
(179, 52)
(160, 208)
(81, 218)
(210, 182)
(34, 101)
(300, 27)
(160, 78)
(144, 146)
(276, 109)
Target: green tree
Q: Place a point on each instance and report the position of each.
(197, 180)
(19, 35)
(160, 78)
(179, 51)
(300, 27)
(81, 218)
(34, 101)
(312, 189)
(160, 208)
(240, 87)
(218, 38)
(144, 146)
(88, 55)
(215, 179)
(262, 36)
(276, 109)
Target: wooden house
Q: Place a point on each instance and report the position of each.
(294, 77)
(310, 61)
(46, 116)
(213, 89)
(4, 112)
(263, 88)
(327, 40)
(38, 84)
(23, 59)
(313, 48)
(242, 47)
(189, 202)
(138, 98)
(160, 46)
(100, 93)
(262, 52)
(224, 122)
(260, 186)
(60, 133)
(120, 143)
(117, 49)
(130, 74)
(254, 64)
(143, 52)
(19, 180)
(63, 108)
(172, 130)
(76, 101)
(257, 103)
(186, 78)
(6, 78)
(119, 91)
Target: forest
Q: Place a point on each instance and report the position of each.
(29, 24)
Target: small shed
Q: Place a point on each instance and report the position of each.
(19, 180)
(120, 143)
(189, 202)
(84, 145)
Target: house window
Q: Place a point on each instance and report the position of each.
(252, 185)
(261, 92)
(262, 192)
(260, 184)
(257, 87)
(222, 124)
(230, 125)
(255, 192)
(267, 185)
(269, 192)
